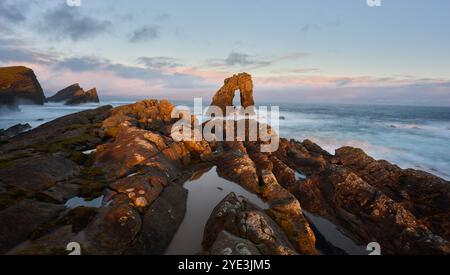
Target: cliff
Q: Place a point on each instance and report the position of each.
(19, 85)
(75, 95)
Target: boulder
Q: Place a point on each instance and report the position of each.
(228, 244)
(19, 221)
(161, 222)
(135, 148)
(14, 131)
(142, 191)
(368, 214)
(38, 172)
(19, 85)
(131, 147)
(235, 165)
(150, 115)
(79, 131)
(424, 195)
(54, 243)
(246, 221)
(286, 211)
(75, 95)
(111, 232)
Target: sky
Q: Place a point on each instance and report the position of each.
(321, 51)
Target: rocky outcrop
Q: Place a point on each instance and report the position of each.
(126, 159)
(75, 95)
(406, 211)
(368, 214)
(242, 162)
(243, 220)
(26, 216)
(426, 196)
(224, 97)
(19, 85)
(161, 222)
(229, 244)
(133, 168)
(13, 131)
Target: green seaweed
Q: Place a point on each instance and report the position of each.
(93, 182)
(90, 173)
(91, 189)
(79, 218)
(7, 162)
(63, 144)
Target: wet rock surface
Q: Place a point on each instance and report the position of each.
(426, 196)
(243, 220)
(19, 221)
(136, 170)
(228, 244)
(161, 222)
(372, 200)
(13, 131)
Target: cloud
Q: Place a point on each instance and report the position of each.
(292, 56)
(145, 33)
(245, 60)
(239, 60)
(12, 50)
(168, 80)
(413, 93)
(5, 30)
(81, 64)
(251, 62)
(151, 74)
(12, 11)
(296, 71)
(159, 62)
(68, 23)
(310, 27)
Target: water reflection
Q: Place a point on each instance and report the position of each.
(78, 202)
(206, 191)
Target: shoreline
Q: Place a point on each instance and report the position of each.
(226, 161)
(379, 150)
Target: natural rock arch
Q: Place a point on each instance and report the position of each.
(225, 96)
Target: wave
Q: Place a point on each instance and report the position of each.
(406, 126)
(410, 138)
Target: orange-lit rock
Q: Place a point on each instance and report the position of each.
(224, 97)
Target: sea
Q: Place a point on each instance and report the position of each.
(410, 137)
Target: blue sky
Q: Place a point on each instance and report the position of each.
(323, 51)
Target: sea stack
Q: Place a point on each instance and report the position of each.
(225, 96)
(75, 95)
(19, 85)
